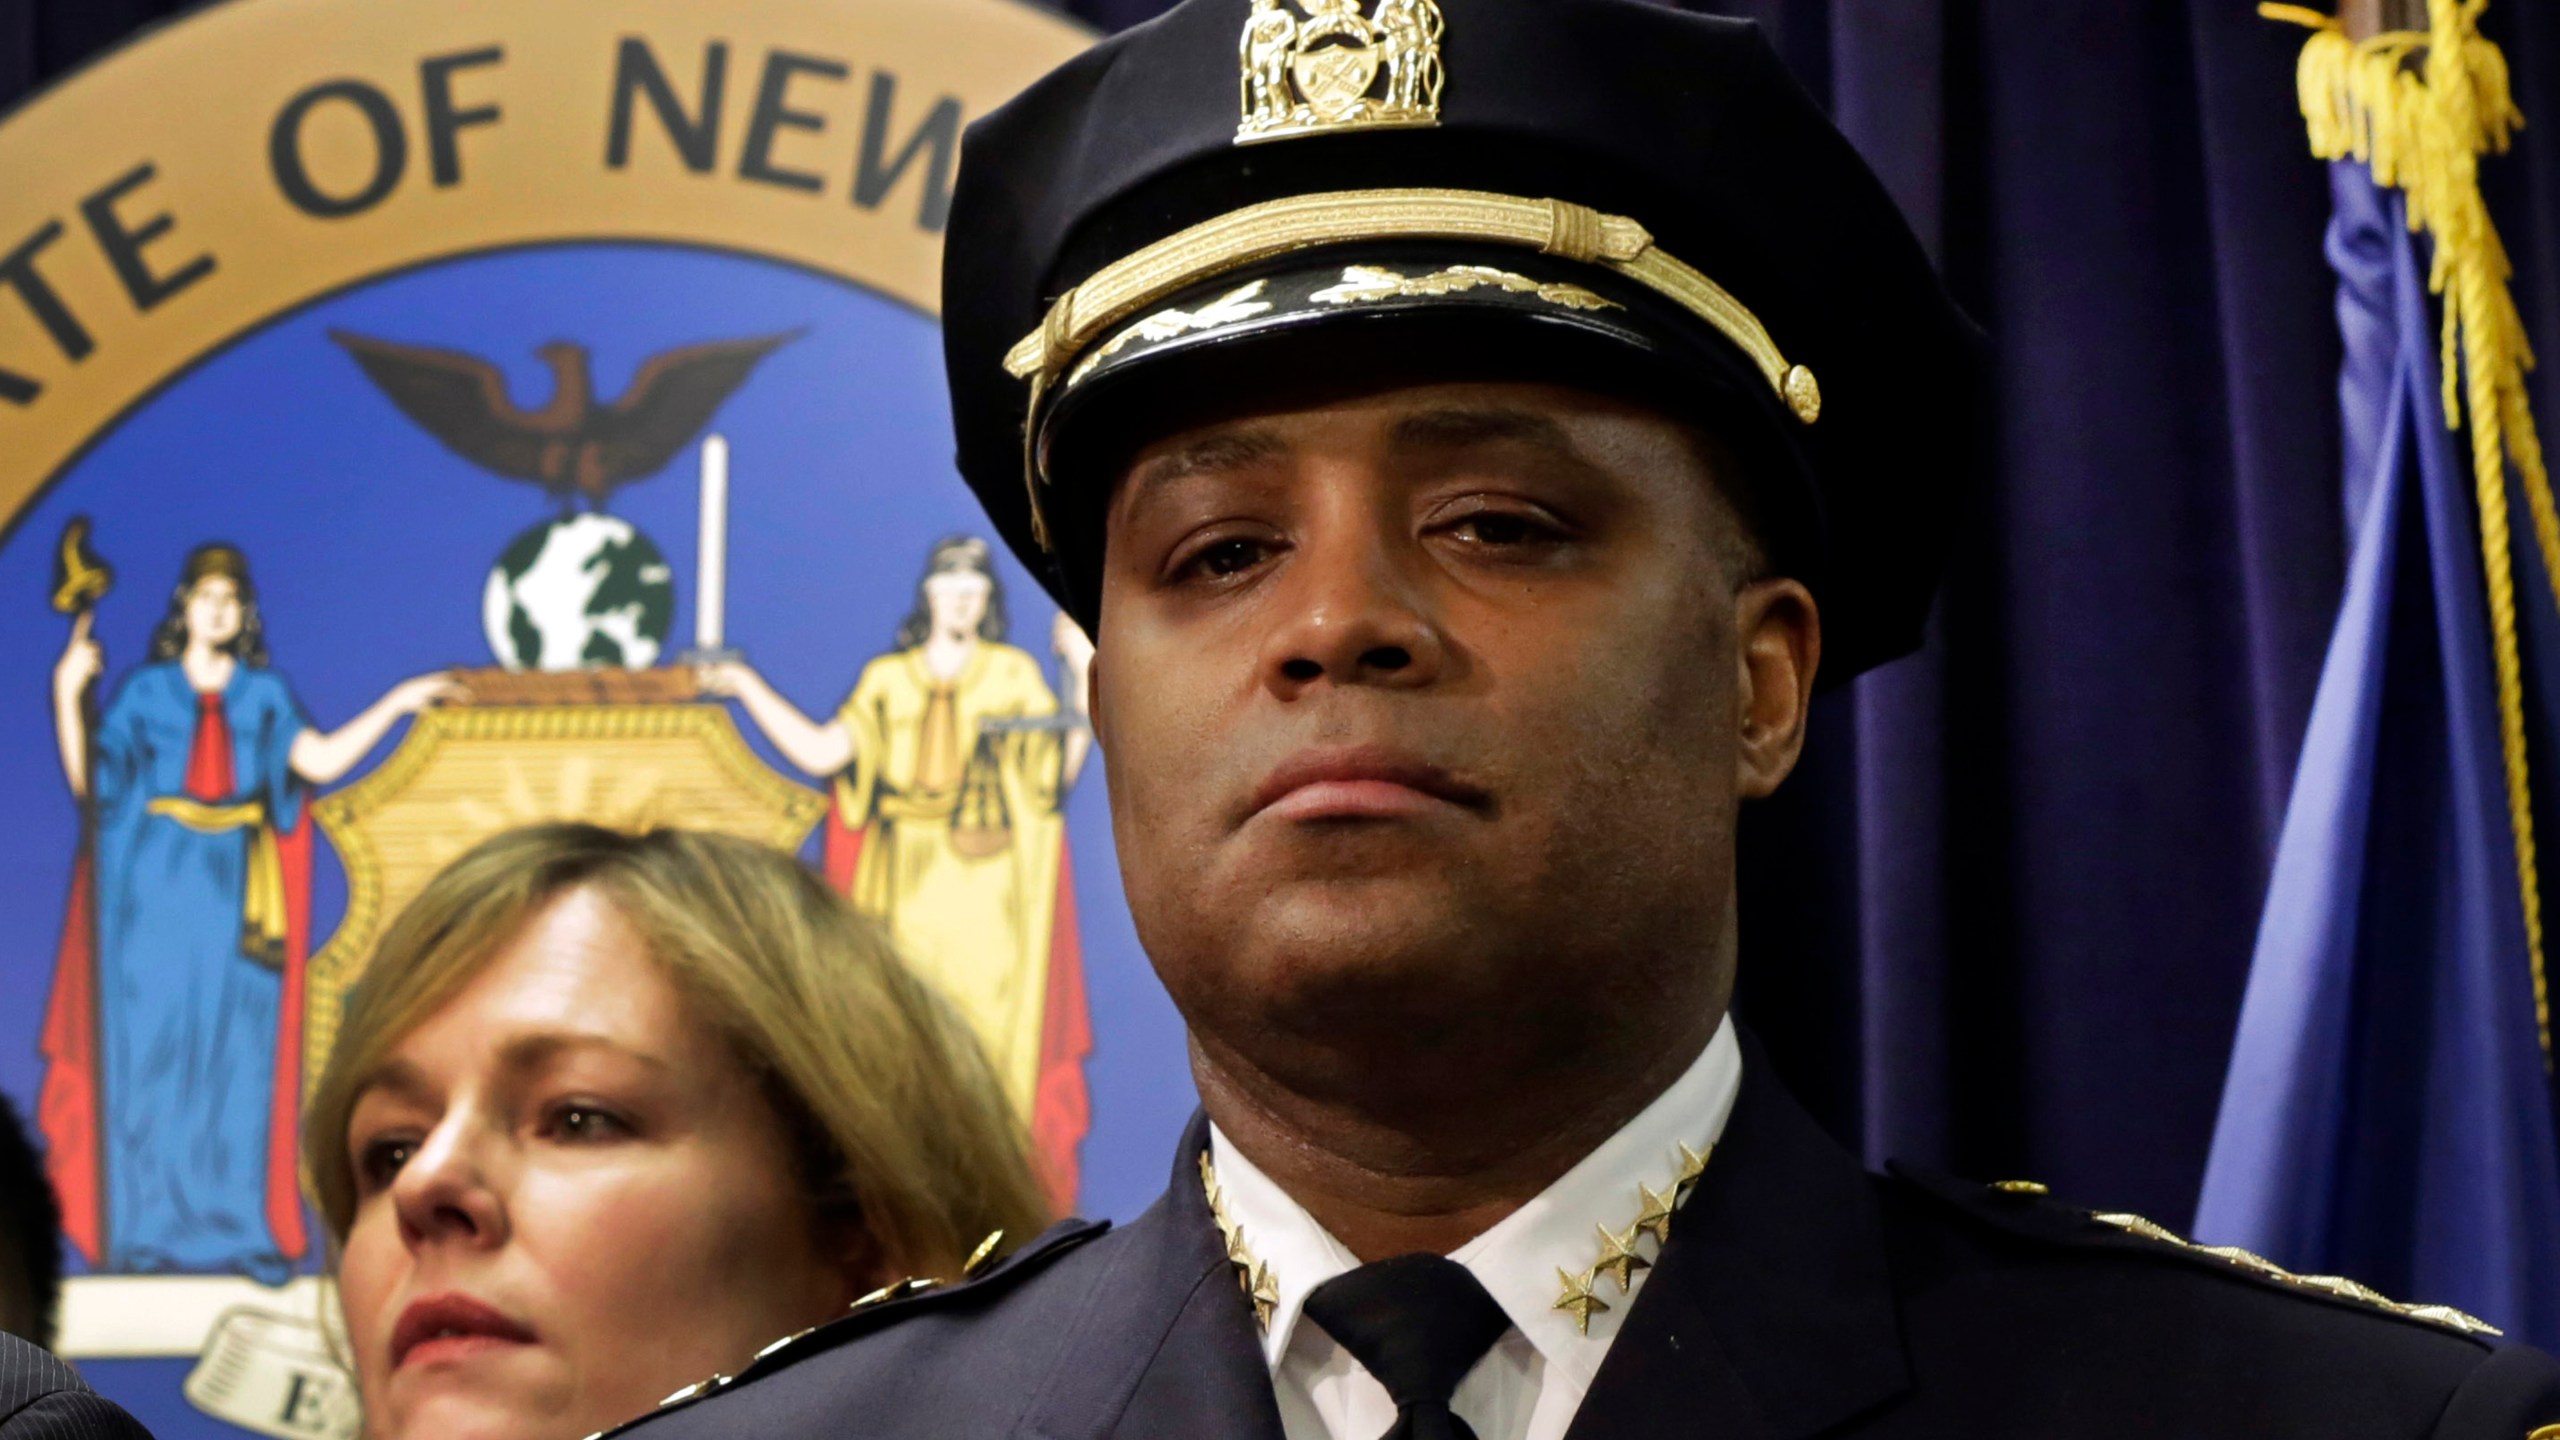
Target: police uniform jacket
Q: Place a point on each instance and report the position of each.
(1798, 1296)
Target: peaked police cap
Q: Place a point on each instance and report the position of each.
(1242, 193)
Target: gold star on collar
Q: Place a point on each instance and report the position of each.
(1656, 1217)
(1263, 1291)
(1618, 1258)
(1252, 1276)
(1578, 1299)
(1692, 1165)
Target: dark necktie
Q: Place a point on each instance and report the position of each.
(1418, 1323)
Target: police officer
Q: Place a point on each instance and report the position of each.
(1472, 429)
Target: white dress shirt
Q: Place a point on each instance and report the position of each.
(1528, 1386)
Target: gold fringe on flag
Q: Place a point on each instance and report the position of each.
(2422, 131)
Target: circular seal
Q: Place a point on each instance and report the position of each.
(310, 311)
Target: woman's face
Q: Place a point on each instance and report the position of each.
(213, 610)
(572, 1199)
(957, 600)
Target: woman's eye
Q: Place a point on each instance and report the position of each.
(582, 1124)
(378, 1162)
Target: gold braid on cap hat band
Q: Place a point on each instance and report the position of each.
(1346, 217)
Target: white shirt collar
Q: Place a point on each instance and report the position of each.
(1518, 1258)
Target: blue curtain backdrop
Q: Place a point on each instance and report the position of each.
(2003, 920)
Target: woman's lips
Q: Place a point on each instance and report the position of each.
(1365, 782)
(452, 1326)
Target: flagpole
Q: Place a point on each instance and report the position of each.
(2364, 19)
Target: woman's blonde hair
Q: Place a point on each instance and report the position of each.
(897, 1119)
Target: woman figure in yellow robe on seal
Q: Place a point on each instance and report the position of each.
(951, 762)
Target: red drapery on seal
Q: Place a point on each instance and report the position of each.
(67, 1102)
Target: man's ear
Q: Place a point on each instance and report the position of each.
(1778, 635)
(1093, 699)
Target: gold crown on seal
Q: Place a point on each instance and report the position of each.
(1327, 65)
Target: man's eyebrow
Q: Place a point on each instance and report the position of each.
(1208, 455)
(1452, 426)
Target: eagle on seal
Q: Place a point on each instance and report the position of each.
(573, 445)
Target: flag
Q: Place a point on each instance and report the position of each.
(2388, 1113)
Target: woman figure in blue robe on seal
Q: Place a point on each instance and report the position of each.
(180, 975)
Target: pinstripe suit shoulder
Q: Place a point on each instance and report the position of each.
(41, 1398)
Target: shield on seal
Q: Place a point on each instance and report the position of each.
(621, 748)
(1335, 79)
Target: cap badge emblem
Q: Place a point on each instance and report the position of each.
(1324, 65)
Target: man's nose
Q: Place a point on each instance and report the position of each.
(447, 1192)
(1354, 611)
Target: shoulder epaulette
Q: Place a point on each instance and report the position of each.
(983, 1276)
(2027, 1208)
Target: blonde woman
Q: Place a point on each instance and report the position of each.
(610, 1113)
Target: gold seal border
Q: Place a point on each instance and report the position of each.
(180, 122)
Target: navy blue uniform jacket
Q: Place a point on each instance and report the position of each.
(1799, 1296)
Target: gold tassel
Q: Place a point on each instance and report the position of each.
(2423, 132)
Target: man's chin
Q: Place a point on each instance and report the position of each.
(1346, 950)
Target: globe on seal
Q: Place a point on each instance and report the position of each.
(579, 592)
